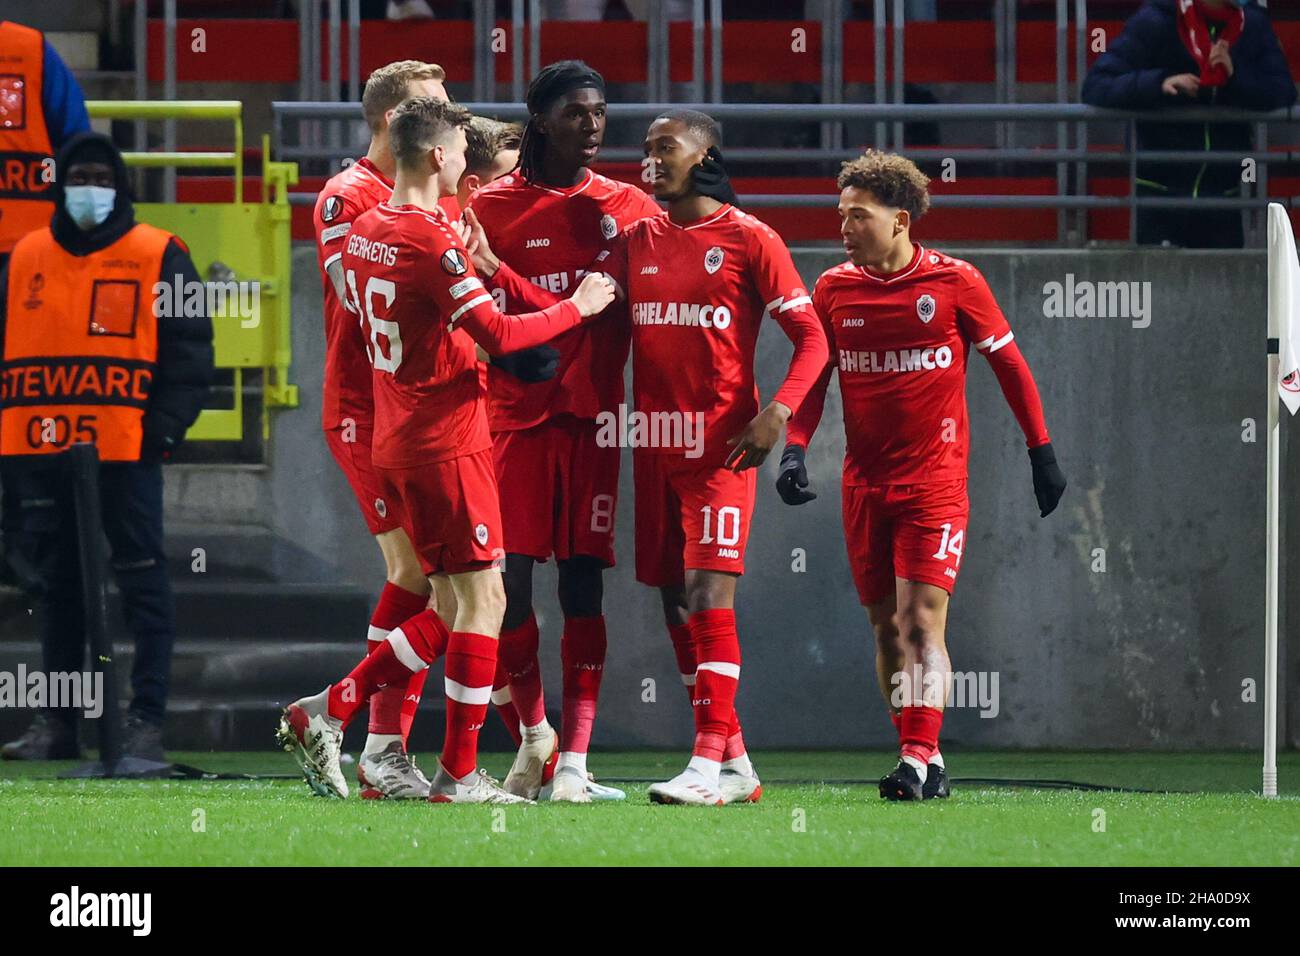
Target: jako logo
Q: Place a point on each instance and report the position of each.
(75, 909)
(1098, 300)
(536, 243)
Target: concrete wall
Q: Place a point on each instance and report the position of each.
(1148, 423)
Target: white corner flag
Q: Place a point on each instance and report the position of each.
(1284, 384)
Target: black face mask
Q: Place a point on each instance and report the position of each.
(710, 178)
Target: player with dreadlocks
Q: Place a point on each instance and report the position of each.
(558, 484)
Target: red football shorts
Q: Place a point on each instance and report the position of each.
(689, 515)
(559, 489)
(451, 511)
(381, 512)
(915, 532)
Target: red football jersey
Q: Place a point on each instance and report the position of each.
(346, 392)
(408, 273)
(697, 297)
(550, 236)
(901, 343)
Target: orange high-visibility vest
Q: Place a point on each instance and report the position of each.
(26, 167)
(80, 344)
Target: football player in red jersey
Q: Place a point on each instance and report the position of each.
(699, 282)
(559, 485)
(407, 272)
(901, 320)
(347, 416)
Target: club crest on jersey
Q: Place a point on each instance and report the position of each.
(925, 308)
(481, 533)
(713, 260)
(453, 262)
(608, 227)
(330, 211)
(381, 508)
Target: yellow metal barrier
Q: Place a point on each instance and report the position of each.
(251, 240)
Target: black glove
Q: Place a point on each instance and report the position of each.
(710, 178)
(538, 364)
(156, 444)
(1049, 480)
(792, 482)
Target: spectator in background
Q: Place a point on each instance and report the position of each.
(41, 108)
(100, 309)
(1179, 53)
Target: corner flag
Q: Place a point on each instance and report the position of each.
(1284, 384)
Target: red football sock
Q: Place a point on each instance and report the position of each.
(735, 746)
(387, 710)
(684, 651)
(471, 662)
(897, 720)
(505, 705)
(919, 736)
(717, 674)
(410, 703)
(582, 649)
(407, 650)
(519, 655)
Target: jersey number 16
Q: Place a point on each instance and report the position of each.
(387, 290)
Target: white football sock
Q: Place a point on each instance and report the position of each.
(916, 765)
(740, 765)
(569, 758)
(375, 743)
(533, 734)
(937, 760)
(706, 768)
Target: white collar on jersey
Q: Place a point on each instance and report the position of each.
(915, 264)
(726, 208)
(571, 191)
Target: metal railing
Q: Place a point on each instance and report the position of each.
(1069, 195)
(334, 19)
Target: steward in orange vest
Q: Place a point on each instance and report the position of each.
(92, 353)
(41, 109)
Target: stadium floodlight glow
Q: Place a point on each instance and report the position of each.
(1284, 377)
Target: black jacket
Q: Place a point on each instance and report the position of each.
(185, 358)
(1129, 74)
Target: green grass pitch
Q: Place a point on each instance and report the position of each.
(44, 821)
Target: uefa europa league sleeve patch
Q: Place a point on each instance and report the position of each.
(331, 209)
(454, 263)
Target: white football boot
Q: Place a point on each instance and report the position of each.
(537, 754)
(569, 785)
(598, 792)
(391, 774)
(689, 787)
(314, 738)
(739, 787)
(475, 787)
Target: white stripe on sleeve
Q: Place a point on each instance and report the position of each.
(1001, 342)
(466, 307)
